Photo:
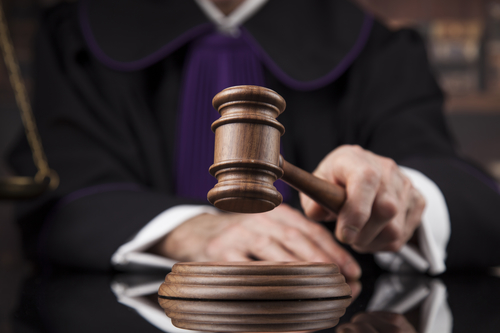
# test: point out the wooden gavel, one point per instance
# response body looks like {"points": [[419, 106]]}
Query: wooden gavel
{"points": [[247, 158]]}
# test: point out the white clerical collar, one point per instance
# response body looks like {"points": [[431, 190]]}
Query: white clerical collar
{"points": [[229, 24]]}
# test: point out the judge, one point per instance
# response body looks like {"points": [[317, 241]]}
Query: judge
{"points": [[122, 99]]}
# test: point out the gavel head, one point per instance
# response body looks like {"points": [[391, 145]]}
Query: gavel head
{"points": [[247, 149]]}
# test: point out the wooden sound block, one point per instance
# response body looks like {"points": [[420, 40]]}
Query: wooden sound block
{"points": [[257, 280], [256, 268], [255, 327], [261, 319], [172, 305]]}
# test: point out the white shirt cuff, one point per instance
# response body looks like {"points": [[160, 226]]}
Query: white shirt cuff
{"points": [[135, 297], [395, 295], [433, 233], [131, 255]]}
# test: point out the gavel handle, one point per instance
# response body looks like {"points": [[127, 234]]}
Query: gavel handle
{"points": [[328, 195]]}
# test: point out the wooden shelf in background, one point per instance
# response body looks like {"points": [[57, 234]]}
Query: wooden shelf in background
{"points": [[474, 103], [423, 10]]}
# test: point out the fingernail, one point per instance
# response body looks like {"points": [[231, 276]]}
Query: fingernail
{"points": [[352, 270], [348, 234]]}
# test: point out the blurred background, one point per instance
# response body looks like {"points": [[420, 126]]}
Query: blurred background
{"points": [[463, 38]]}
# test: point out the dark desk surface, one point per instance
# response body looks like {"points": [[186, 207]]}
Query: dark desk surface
{"points": [[73, 302]]}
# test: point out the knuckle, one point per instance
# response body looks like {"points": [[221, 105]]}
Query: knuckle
{"points": [[234, 230], [371, 175], [388, 207], [265, 222], [389, 164], [325, 237], [360, 215], [407, 184], [213, 248], [420, 201], [292, 233], [357, 149], [393, 235], [317, 230], [348, 150]]}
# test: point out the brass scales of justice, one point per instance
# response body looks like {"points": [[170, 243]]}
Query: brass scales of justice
{"points": [[17, 188]]}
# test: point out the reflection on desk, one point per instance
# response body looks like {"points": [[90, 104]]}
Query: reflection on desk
{"points": [[125, 303], [255, 316]]}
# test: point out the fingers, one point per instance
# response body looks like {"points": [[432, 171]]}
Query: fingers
{"points": [[378, 321], [268, 248], [288, 230], [356, 328], [242, 242], [323, 246], [397, 231], [386, 218], [374, 226], [282, 235], [371, 188]]}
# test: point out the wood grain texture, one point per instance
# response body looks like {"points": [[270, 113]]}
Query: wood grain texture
{"points": [[254, 327], [253, 292], [257, 318], [247, 160], [256, 268], [246, 154], [328, 195], [219, 307], [257, 280], [258, 296], [254, 280], [245, 316]]}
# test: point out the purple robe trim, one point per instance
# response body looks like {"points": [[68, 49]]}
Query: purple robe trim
{"points": [[84, 192], [486, 180], [330, 77], [200, 30], [147, 61]]}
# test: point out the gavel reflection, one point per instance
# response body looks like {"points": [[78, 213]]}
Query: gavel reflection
{"points": [[247, 158]]}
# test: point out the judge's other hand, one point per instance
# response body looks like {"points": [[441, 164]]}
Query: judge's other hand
{"points": [[283, 234], [378, 321], [382, 209]]}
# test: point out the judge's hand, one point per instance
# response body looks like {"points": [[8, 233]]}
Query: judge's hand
{"points": [[283, 234], [382, 209], [375, 322]]}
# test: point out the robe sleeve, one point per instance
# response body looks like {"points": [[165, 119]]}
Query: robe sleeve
{"points": [[114, 173], [401, 117]]}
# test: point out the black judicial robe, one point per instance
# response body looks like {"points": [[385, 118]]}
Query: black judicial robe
{"points": [[107, 87]]}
